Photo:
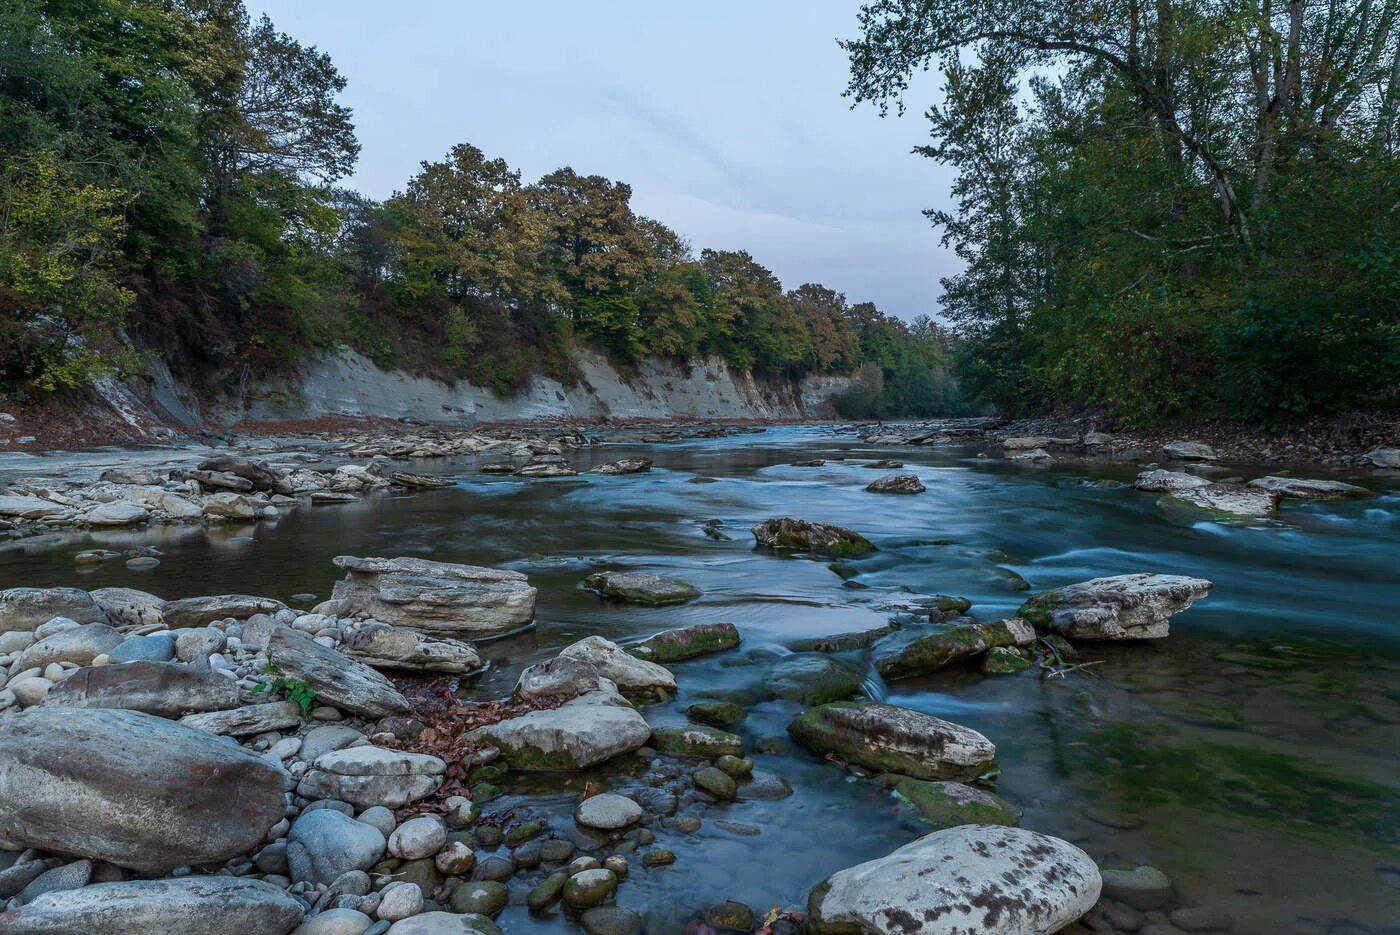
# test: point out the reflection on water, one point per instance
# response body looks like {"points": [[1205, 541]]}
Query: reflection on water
{"points": [[1254, 756]]}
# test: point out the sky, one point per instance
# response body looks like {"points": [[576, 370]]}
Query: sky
{"points": [[726, 118]]}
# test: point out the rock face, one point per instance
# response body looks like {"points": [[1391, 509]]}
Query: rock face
{"points": [[800, 535], [1159, 481], [973, 878], [1122, 607], [401, 648], [625, 466], [640, 588], [132, 789], [1189, 451], [896, 483], [687, 642], [1228, 499], [165, 689], [894, 739], [436, 597], [367, 776], [198, 905], [202, 611], [589, 729], [28, 608], [902, 657], [336, 679], [631, 675], [1302, 488]]}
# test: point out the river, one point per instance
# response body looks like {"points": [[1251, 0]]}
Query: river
{"points": [[1254, 755]]}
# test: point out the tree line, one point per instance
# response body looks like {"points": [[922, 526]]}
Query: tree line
{"points": [[170, 168], [1165, 208]]}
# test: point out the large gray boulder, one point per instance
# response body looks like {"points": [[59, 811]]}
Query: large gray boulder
{"points": [[79, 644], [799, 535], [324, 843], [249, 719], [337, 680], [589, 729], [1383, 457], [367, 776], [641, 588], [128, 607], [631, 675], [1226, 501], [132, 789], [166, 689], [25, 507], [686, 642], [441, 598], [28, 608], [897, 740], [1121, 607], [202, 611], [198, 905], [385, 647], [988, 879]]}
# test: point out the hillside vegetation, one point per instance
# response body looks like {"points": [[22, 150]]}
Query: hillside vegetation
{"points": [[170, 167]]}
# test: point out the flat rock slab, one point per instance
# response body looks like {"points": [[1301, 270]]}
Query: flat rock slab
{"points": [[133, 789], [894, 739], [641, 588], [201, 905], [590, 729], [910, 653], [165, 689], [799, 535], [441, 598], [29, 608], [248, 720], [973, 878], [1121, 607], [1228, 500], [202, 611], [337, 679], [29, 507], [1303, 488]]}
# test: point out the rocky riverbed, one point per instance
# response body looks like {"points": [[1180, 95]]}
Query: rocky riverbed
{"points": [[562, 739]]}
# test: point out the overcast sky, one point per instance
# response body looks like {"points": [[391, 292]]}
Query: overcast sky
{"points": [[725, 117]]}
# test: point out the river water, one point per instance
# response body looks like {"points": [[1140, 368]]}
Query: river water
{"points": [[1254, 756]]}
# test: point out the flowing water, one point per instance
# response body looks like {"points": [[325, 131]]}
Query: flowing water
{"points": [[1254, 756]]}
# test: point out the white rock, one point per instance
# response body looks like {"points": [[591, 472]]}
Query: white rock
{"points": [[400, 901], [1121, 607], [607, 811], [1159, 481], [418, 837]]}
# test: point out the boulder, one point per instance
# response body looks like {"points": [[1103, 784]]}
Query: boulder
{"points": [[128, 607], [28, 608], [336, 679], [907, 653], [812, 679], [686, 642], [202, 611], [229, 505], [1383, 457], [249, 719], [1122, 607], [165, 689], [79, 644], [973, 878], [385, 647], [640, 588], [896, 483], [559, 678], [196, 905], [625, 466], [116, 513], [1227, 500], [948, 804], [892, 739], [259, 475], [1159, 481], [158, 647], [1189, 451], [366, 776], [324, 843], [420, 481], [632, 676], [582, 732], [22, 507], [440, 598], [1303, 488], [789, 534], [695, 740], [132, 789], [1025, 442]]}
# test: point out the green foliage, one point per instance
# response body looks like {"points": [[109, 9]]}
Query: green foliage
{"points": [[295, 690]]}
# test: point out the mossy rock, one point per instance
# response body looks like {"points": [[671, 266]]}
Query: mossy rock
{"points": [[687, 642], [694, 740], [716, 713], [948, 804], [1001, 660], [812, 679], [888, 738]]}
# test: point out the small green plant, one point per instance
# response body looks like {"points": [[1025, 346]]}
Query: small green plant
{"points": [[291, 689]]}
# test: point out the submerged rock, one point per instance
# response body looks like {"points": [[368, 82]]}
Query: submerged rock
{"points": [[1121, 607], [973, 878], [132, 789], [693, 740], [789, 534], [896, 483], [640, 588], [687, 642], [907, 654], [812, 679], [196, 905], [590, 729], [949, 804], [893, 739], [1302, 488], [440, 598]]}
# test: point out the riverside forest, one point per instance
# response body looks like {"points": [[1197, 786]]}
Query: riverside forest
{"points": [[402, 536]]}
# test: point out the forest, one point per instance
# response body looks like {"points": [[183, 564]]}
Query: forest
{"points": [[170, 169], [1166, 209]]}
